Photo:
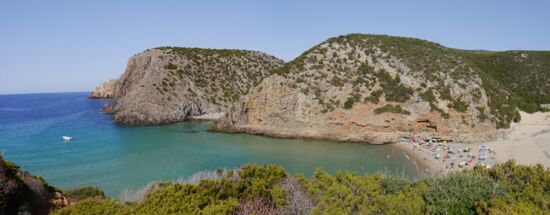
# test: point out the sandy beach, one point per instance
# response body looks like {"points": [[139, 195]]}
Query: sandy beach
{"points": [[527, 142]]}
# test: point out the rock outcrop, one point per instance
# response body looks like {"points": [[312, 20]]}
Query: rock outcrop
{"points": [[105, 90], [370, 88], [22, 193], [169, 84]]}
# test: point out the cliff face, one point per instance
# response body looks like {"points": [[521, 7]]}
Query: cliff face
{"points": [[369, 88], [105, 90], [168, 84]]}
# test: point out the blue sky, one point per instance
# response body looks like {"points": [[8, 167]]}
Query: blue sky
{"points": [[61, 46]]}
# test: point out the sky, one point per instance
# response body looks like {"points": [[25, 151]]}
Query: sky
{"points": [[69, 46]]}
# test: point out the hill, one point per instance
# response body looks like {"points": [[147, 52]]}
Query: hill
{"points": [[373, 88], [170, 84], [526, 74]]}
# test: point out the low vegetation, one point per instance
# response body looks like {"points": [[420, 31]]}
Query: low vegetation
{"points": [[252, 189], [393, 89], [83, 193], [222, 75], [22, 193], [391, 109], [372, 67], [524, 74]]}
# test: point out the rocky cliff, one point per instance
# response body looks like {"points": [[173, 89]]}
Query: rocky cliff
{"points": [[372, 88], [22, 193], [105, 90], [169, 84]]}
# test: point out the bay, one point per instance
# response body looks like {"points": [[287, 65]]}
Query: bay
{"points": [[117, 158]]}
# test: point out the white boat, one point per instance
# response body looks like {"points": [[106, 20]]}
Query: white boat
{"points": [[67, 138]]}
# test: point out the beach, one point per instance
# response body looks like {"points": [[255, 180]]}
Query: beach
{"points": [[526, 142]]}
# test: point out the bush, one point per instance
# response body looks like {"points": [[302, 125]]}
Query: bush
{"points": [[428, 95], [390, 109], [170, 66], [460, 106], [337, 82], [393, 89], [354, 97], [84, 193], [374, 97], [459, 193], [92, 207], [504, 189]]}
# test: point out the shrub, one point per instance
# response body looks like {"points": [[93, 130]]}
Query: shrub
{"points": [[389, 109], [393, 89], [337, 82], [374, 97], [459, 193], [92, 207], [79, 194], [460, 106], [428, 95], [354, 97], [348, 104], [170, 66], [504, 189]]}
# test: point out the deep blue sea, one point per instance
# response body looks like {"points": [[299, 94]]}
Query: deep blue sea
{"points": [[116, 158]]}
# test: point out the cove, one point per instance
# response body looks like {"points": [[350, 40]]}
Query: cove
{"points": [[117, 158]]}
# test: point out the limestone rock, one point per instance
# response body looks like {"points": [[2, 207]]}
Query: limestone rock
{"points": [[366, 88], [104, 90], [168, 84]]}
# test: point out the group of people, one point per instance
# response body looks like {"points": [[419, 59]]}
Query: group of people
{"points": [[452, 155]]}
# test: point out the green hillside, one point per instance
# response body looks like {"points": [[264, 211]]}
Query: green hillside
{"points": [[351, 59], [526, 74]]}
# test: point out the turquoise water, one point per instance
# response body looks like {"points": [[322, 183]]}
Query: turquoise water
{"points": [[117, 158]]}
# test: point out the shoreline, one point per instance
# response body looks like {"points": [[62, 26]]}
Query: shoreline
{"points": [[208, 116], [526, 142], [423, 166]]}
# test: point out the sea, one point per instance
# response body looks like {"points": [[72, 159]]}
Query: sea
{"points": [[121, 158]]}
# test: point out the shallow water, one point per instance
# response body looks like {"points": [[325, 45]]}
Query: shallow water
{"points": [[117, 158]]}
